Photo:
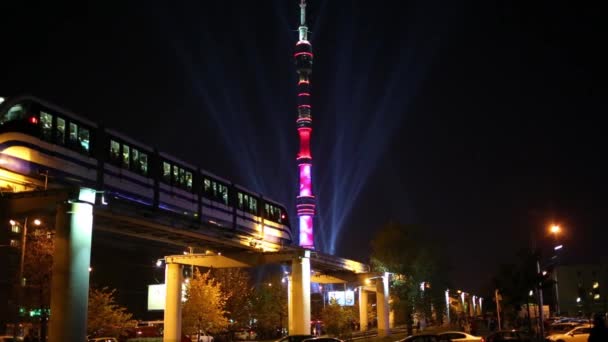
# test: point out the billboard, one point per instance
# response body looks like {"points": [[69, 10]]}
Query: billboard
{"points": [[156, 296], [343, 298]]}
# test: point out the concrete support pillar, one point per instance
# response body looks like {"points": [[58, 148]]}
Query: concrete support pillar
{"points": [[71, 262], [290, 322], [391, 318], [382, 306], [299, 319], [173, 303], [363, 320]]}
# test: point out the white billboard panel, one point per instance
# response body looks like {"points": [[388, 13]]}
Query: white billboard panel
{"points": [[156, 296], [343, 298]]}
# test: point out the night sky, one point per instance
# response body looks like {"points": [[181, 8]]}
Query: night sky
{"points": [[481, 121]]}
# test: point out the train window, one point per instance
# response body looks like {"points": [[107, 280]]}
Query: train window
{"points": [[207, 187], [84, 138], [175, 175], [73, 134], [125, 156], [240, 200], [224, 194], [135, 160], [143, 163], [189, 180], [114, 151], [46, 121], [167, 172], [182, 177], [60, 132], [253, 205]]}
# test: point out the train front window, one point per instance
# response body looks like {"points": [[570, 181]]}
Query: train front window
{"points": [[46, 121], [60, 132], [16, 112]]}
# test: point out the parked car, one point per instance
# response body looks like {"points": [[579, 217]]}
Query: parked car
{"points": [[424, 338], [202, 336], [577, 334], [294, 338], [322, 339], [560, 328], [509, 335], [103, 339], [459, 336], [245, 335]]}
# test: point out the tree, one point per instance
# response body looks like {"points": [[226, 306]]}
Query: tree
{"points": [[105, 316], [337, 319], [270, 307], [237, 290], [205, 305], [414, 258]]}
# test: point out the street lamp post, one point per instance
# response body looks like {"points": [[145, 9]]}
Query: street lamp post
{"points": [[555, 230]]}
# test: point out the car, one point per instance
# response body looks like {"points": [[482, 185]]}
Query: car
{"points": [[577, 334], [245, 335], [560, 328], [8, 338], [102, 339], [508, 335], [202, 336], [424, 338], [295, 338], [322, 339], [459, 336]]}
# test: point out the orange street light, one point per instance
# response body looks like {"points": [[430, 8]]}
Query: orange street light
{"points": [[555, 229]]}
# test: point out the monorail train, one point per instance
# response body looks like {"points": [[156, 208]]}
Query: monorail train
{"points": [[40, 141]]}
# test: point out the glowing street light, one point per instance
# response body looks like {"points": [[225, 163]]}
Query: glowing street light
{"points": [[558, 247], [555, 229]]}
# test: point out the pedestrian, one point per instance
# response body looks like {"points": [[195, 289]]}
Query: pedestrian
{"points": [[598, 332]]}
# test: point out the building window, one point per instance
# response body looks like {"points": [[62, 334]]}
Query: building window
{"points": [[15, 228], [14, 243]]}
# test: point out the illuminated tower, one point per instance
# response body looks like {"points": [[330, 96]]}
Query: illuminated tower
{"points": [[305, 200]]}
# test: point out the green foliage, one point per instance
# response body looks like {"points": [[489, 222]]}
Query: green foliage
{"points": [[514, 281], [205, 305], [415, 258], [337, 319], [237, 290], [105, 316], [270, 307]]}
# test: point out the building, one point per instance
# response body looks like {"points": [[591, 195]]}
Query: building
{"points": [[581, 289]]}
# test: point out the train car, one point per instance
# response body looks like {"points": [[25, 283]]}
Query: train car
{"points": [[43, 146]]}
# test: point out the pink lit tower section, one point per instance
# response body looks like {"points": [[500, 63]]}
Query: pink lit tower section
{"points": [[305, 200]]}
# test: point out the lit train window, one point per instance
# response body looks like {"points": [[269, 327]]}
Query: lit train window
{"points": [[175, 176], [73, 134], [125, 156], [167, 172], [207, 186], [224, 194], [143, 163], [114, 151], [60, 132], [240, 200], [84, 138], [253, 205], [135, 160], [46, 121], [188, 180]]}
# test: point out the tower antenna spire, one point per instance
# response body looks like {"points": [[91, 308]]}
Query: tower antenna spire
{"points": [[303, 28]]}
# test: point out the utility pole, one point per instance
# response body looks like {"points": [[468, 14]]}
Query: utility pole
{"points": [[20, 280], [541, 327], [497, 297]]}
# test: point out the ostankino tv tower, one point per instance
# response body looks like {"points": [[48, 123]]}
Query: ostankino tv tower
{"points": [[305, 200]]}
